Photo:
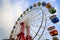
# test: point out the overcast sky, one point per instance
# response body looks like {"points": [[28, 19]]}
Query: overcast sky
{"points": [[10, 10]]}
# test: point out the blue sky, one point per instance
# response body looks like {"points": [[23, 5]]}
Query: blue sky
{"points": [[10, 10]]}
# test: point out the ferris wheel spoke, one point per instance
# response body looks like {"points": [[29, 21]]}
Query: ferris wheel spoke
{"points": [[37, 26], [36, 19], [35, 32]]}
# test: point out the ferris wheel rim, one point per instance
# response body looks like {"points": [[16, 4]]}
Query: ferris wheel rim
{"points": [[40, 25], [44, 28]]}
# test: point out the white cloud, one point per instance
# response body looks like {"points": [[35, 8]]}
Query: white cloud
{"points": [[9, 15]]}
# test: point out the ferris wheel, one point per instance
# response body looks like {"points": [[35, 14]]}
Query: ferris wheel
{"points": [[32, 23]]}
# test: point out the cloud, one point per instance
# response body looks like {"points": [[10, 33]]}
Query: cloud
{"points": [[6, 20], [52, 0], [9, 15]]}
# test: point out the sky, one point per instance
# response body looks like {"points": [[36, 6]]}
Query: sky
{"points": [[10, 10]]}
